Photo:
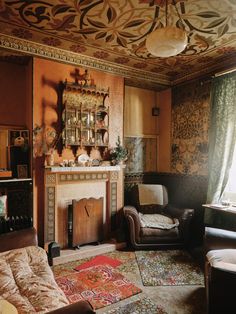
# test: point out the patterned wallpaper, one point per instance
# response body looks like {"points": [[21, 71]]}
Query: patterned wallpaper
{"points": [[190, 126], [189, 134]]}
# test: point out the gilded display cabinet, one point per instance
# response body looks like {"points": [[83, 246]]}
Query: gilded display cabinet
{"points": [[85, 115]]}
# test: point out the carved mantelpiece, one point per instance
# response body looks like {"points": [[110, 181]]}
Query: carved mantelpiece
{"points": [[62, 184]]}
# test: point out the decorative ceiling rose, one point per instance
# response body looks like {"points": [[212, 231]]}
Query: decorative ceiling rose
{"points": [[167, 41]]}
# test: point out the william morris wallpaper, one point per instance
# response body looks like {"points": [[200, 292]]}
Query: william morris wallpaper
{"points": [[190, 126]]}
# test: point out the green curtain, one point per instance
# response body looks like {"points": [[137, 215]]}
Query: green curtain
{"points": [[222, 138]]}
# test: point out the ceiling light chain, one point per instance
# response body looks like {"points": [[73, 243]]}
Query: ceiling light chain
{"points": [[179, 16], [166, 13]]}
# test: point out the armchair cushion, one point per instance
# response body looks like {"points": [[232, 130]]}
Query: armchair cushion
{"points": [[159, 235], [157, 221]]}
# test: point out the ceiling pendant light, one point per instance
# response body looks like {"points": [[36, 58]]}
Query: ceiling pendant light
{"points": [[169, 40]]}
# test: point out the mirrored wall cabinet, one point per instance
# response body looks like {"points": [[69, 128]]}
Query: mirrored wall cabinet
{"points": [[85, 115]]}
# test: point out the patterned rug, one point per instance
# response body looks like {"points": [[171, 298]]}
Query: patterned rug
{"points": [[139, 306], [99, 260], [101, 285], [168, 268]]}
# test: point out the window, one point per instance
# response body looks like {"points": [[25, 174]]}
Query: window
{"points": [[230, 189]]}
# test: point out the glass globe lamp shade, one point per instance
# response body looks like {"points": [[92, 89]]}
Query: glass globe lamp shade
{"points": [[166, 42]]}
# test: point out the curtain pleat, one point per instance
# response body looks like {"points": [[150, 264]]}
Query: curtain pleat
{"points": [[222, 139]]}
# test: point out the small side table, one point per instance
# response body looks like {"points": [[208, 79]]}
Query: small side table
{"points": [[222, 208]]}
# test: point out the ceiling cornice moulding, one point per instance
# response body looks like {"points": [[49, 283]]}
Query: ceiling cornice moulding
{"points": [[60, 55], [212, 69]]}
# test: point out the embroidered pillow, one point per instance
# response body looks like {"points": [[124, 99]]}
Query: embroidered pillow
{"points": [[158, 221], [7, 308]]}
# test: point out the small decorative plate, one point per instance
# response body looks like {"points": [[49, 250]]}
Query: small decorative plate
{"points": [[83, 158]]}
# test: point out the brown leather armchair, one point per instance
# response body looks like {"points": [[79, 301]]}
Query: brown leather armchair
{"points": [[152, 200], [220, 270]]}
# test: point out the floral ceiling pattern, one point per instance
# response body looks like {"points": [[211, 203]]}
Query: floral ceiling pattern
{"points": [[115, 31]]}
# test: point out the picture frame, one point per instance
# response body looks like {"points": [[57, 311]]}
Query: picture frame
{"points": [[13, 134], [16, 134], [22, 171], [25, 135]]}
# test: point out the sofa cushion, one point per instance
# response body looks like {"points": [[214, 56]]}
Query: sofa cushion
{"points": [[27, 281], [224, 259]]}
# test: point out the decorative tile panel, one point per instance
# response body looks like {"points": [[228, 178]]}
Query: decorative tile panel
{"points": [[91, 176], [113, 204], [114, 175], [51, 179], [50, 215]]}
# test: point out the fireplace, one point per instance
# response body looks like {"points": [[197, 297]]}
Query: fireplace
{"points": [[65, 184]]}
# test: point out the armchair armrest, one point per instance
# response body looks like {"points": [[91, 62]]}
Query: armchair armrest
{"points": [[18, 239], [185, 217], [131, 211], [216, 239], [179, 213], [131, 214]]}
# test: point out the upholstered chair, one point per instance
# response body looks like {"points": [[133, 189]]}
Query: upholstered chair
{"points": [[152, 222], [220, 270]]}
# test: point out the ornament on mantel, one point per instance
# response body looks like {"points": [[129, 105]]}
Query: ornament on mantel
{"points": [[119, 154]]}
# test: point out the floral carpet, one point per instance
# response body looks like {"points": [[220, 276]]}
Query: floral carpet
{"points": [[99, 260], [101, 285], [183, 299], [139, 306], [168, 268]]}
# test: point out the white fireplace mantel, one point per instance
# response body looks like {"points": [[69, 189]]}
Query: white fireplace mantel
{"points": [[83, 169]]}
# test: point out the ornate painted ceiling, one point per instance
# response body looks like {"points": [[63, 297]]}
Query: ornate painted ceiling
{"points": [[110, 35]]}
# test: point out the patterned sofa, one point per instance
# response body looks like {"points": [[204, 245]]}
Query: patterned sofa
{"points": [[27, 281]]}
